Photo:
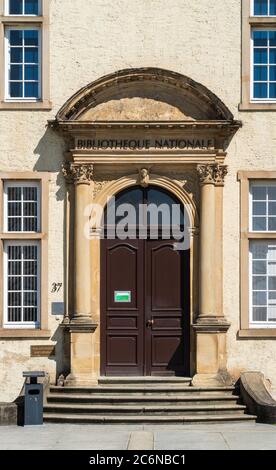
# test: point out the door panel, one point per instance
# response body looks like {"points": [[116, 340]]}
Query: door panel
{"points": [[122, 326], [167, 291]]}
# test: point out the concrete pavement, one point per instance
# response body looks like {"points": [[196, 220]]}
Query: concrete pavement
{"points": [[240, 436]]}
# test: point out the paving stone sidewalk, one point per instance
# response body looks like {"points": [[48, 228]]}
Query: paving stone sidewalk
{"points": [[240, 436]]}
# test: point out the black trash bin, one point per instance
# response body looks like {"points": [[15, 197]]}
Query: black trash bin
{"points": [[33, 403]]}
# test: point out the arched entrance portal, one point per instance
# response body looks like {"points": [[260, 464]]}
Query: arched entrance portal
{"points": [[147, 127], [145, 286]]}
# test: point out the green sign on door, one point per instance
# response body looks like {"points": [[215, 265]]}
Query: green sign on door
{"points": [[122, 297]]}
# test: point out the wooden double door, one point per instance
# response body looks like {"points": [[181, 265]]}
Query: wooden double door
{"points": [[145, 310]]}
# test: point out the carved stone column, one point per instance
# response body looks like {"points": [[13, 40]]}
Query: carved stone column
{"points": [[211, 326], [81, 326]]}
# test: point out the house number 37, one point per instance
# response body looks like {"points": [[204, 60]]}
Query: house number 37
{"points": [[56, 286]]}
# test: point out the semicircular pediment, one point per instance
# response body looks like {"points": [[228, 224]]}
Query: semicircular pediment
{"points": [[146, 94]]}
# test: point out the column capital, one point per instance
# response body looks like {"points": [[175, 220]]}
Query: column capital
{"points": [[212, 174], [78, 173]]}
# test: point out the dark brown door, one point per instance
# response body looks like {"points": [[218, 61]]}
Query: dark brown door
{"points": [[122, 307], [145, 308], [166, 309]]}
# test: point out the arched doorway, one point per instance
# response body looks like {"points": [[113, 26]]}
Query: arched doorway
{"points": [[145, 286]]}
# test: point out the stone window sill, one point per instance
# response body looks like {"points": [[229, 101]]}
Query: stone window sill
{"points": [[263, 333], [257, 106], [24, 334], [44, 105]]}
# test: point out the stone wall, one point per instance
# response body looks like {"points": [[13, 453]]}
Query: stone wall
{"points": [[91, 38]]}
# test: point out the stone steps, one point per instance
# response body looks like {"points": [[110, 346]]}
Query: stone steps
{"points": [[145, 390], [142, 400], [145, 381], [163, 400], [135, 410], [101, 419]]}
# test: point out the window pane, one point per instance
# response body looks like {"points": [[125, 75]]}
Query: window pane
{"points": [[260, 73], [259, 224], [259, 208], [259, 314], [272, 283], [31, 7], [31, 55], [272, 193], [272, 208], [271, 313], [272, 224], [259, 251], [16, 72], [272, 90], [272, 56], [260, 90], [31, 72], [15, 7], [259, 267], [16, 37], [31, 90], [16, 90], [260, 56], [272, 38], [259, 298], [271, 268], [260, 38], [259, 193], [260, 7], [272, 7], [31, 37], [16, 55], [259, 283]]}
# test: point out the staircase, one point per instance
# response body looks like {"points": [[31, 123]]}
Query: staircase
{"points": [[143, 400]]}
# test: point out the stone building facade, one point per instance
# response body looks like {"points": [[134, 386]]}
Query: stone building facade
{"points": [[105, 97]]}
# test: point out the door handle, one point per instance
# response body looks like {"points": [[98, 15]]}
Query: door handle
{"points": [[150, 323]]}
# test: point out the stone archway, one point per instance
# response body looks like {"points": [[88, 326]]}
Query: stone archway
{"points": [[178, 131]]}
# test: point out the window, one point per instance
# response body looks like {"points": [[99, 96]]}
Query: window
{"points": [[258, 55], [263, 207], [22, 284], [264, 7], [23, 7], [258, 254], [264, 65], [21, 258], [263, 284], [24, 54], [23, 63], [22, 207], [24, 255]]}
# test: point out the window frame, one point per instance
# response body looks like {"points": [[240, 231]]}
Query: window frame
{"points": [[21, 325], [21, 184], [257, 183], [32, 21], [7, 4], [255, 324], [246, 331], [41, 238], [250, 23], [252, 82], [7, 56]]}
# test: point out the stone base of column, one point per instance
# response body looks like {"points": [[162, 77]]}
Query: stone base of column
{"points": [[81, 380], [82, 341], [211, 353]]}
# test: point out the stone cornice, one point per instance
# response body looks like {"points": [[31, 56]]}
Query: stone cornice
{"points": [[75, 126]]}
